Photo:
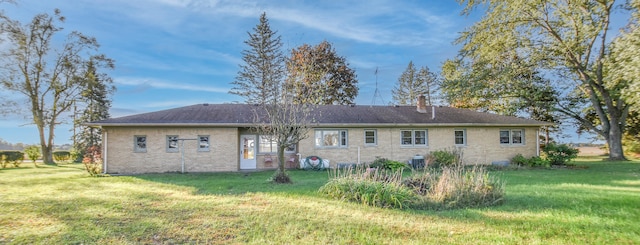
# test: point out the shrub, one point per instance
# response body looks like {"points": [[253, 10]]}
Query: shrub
{"points": [[453, 187], [458, 187], [93, 160], [559, 154], [383, 163], [62, 156], [33, 152], [534, 161], [369, 187], [11, 157], [446, 157], [420, 182]]}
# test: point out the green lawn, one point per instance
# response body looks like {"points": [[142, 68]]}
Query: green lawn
{"points": [[63, 205]]}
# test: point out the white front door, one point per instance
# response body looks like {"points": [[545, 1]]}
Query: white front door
{"points": [[247, 152]]}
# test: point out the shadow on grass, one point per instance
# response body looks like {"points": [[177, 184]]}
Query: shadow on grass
{"points": [[304, 182]]}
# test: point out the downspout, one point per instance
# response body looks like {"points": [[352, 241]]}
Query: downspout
{"points": [[358, 155], [538, 142], [104, 156]]}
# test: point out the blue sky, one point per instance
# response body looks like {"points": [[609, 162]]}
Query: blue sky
{"points": [[172, 53]]}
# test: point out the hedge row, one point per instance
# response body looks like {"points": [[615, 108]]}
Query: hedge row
{"points": [[13, 157]]}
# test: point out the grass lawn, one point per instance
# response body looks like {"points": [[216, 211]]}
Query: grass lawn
{"points": [[599, 204]]}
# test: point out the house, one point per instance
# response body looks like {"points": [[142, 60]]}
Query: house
{"points": [[218, 137]]}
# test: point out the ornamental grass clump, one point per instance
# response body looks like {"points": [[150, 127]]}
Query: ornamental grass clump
{"points": [[370, 187], [434, 189], [460, 187]]}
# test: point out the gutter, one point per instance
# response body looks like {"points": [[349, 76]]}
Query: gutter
{"points": [[315, 125]]}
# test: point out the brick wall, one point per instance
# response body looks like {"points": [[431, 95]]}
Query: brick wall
{"points": [[121, 158], [483, 145]]}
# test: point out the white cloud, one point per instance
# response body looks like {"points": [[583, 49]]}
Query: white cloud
{"points": [[174, 85]]}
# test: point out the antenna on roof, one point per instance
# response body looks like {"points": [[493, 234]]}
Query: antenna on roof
{"points": [[376, 94]]}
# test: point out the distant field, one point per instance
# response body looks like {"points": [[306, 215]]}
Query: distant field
{"points": [[591, 151], [594, 203]]}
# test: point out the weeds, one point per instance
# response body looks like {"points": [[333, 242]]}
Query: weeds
{"points": [[452, 187]]}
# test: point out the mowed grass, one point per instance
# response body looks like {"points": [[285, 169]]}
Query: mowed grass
{"points": [[599, 204]]}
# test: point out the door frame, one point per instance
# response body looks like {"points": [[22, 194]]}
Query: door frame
{"points": [[248, 163]]}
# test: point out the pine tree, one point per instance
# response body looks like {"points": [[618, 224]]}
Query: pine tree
{"points": [[96, 102], [430, 82], [259, 79]]}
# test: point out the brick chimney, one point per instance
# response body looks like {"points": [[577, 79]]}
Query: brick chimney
{"points": [[422, 104]]}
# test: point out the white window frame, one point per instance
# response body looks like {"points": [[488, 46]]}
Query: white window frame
{"points": [[511, 135], [374, 137], [273, 145], [170, 146], [464, 137], [342, 138], [137, 145], [413, 138], [267, 141], [204, 146]]}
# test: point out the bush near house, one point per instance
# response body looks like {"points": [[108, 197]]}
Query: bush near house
{"points": [[559, 154], [384, 163], [534, 161], [445, 157]]}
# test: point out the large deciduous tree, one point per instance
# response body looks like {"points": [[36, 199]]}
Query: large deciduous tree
{"points": [[412, 83], [47, 74], [565, 40], [264, 65], [319, 76]]}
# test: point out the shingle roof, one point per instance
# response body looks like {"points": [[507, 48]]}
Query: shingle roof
{"points": [[328, 115]]}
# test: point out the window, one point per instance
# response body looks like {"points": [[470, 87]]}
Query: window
{"points": [[331, 138], [203, 142], [140, 143], [270, 145], [512, 137], [413, 137], [267, 144], [172, 143], [460, 137], [370, 138]]}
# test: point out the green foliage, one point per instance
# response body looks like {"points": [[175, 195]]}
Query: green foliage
{"points": [[559, 154], [387, 164], [317, 75], [47, 69], [534, 161], [96, 102], [76, 155], [33, 152], [517, 43], [11, 157], [369, 187], [453, 187], [61, 156], [413, 83], [459, 187], [445, 157], [263, 71]]}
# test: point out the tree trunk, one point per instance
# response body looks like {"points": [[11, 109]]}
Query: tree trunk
{"points": [[47, 154], [281, 161], [614, 140]]}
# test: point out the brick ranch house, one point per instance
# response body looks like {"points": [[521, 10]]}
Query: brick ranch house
{"points": [[218, 137]]}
